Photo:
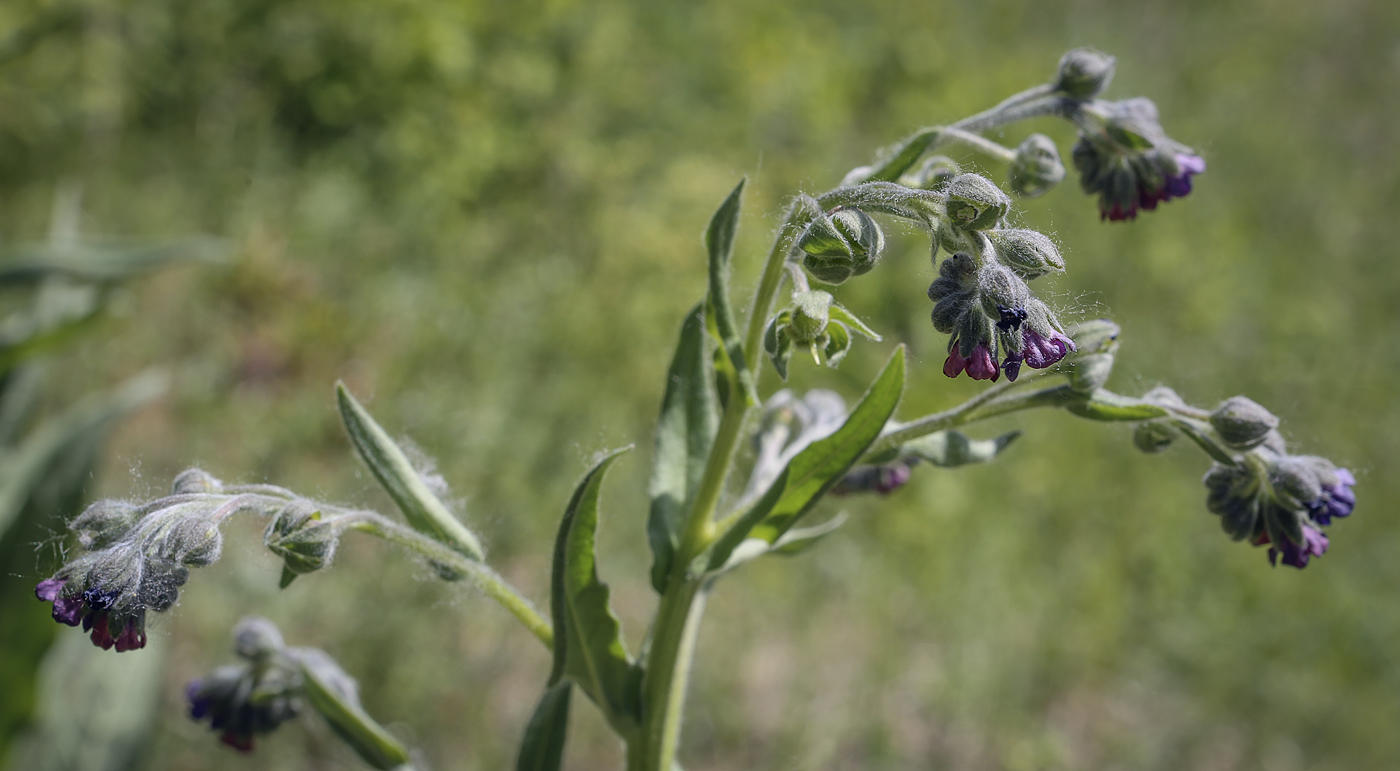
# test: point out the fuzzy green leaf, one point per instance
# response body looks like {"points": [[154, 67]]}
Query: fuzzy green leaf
{"points": [[684, 435], [331, 693], [950, 448], [719, 242], [814, 470], [588, 645], [1108, 406], [424, 511], [902, 156], [543, 746]]}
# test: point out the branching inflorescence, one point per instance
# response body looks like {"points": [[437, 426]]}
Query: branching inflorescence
{"points": [[136, 556]]}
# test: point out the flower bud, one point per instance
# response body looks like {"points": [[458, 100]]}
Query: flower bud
{"points": [[256, 638], [1094, 335], [1084, 72], [194, 541], [840, 245], [975, 202], [304, 541], [1027, 252], [1153, 436], [1295, 476], [999, 288], [1242, 422], [104, 523], [191, 481], [1089, 373], [1036, 167], [934, 174], [811, 312]]}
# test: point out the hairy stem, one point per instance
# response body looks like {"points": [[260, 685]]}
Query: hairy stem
{"points": [[491, 582]]}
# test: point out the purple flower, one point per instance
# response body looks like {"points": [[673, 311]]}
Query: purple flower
{"points": [[1337, 500], [1125, 158], [94, 609], [1314, 545], [981, 365], [1041, 352], [883, 479]]}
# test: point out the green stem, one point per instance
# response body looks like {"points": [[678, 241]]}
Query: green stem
{"points": [[491, 582], [667, 677]]}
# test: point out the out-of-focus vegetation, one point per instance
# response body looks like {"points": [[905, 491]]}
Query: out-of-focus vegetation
{"points": [[485, 217]]}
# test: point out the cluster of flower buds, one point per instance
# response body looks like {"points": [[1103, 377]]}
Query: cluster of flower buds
{"points": [[815, 321], [1123, 155], [241, 701], [981, 298], [1263, 495], [137, 556]]}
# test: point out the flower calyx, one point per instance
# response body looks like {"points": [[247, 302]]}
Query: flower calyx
{"points": [[1083, 73], [975, 202], [1036, 167], [814, 320]]}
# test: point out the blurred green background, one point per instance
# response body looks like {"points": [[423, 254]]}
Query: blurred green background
{"points": [[485, 218]]}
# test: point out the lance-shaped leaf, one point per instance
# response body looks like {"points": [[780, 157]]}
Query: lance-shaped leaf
{"points": [[1106, 405], [424, 511], [543, 746], [102, 261], [719, 241], [333, 694], [814, 470], [588, 646], [684, 435], [950, 448], [900, 158], [800, 539]]}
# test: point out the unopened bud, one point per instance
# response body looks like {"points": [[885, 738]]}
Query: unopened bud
{"points": [[1089, 373], [195, 480], [1084, 72], [811, 312], [194, 541], [1296, 477], [998, 288], [975, 202], [1094, 336], [304, 541], [1153, 436], [256, 638], [104, 523], [846, 243], [1037, 166], [1027, 252], [1242, 422]]}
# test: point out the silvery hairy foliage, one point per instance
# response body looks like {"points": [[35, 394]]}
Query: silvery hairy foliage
{"points": [[134, 557]]}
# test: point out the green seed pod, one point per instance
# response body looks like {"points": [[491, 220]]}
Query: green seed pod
{"points": [[1242, 422], [975, 202], [1084, 72], [1036, 167], [1027, 252]]}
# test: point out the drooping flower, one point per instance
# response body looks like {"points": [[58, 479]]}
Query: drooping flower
{"points": [[1282, 502], [1336, 500], [1297, 555], [1125, 158]]}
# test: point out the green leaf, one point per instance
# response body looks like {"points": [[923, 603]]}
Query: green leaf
{"points": [[838, 313], [424, 511], [950, 448], [800, 539], [543, 746], [332, 693], [102, 261], [719, 241], [1108, 406], [684, 435], [59, 314], [902, 156], [814, 470], [588, 645]]}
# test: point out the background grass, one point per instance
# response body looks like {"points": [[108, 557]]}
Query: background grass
{"points": [[485, 217]]}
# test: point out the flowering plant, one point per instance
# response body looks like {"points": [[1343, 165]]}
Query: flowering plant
{"points": [[134, 557]]}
